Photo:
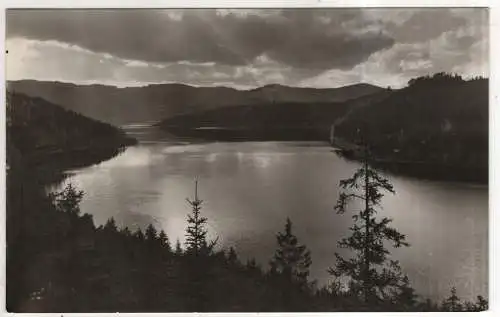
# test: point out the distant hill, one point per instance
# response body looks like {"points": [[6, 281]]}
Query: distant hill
{"points": [[438, 124], [40, 132], [152, 103], [268, 121], [441, 119]]}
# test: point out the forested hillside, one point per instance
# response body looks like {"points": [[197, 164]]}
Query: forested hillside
{"points": [[440, 119], [272, 121], [152, 103], [43, 134]]}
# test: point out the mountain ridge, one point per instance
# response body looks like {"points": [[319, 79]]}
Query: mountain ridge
{"points": [[435, 126], [271, 121], [155, 102], [361, 84]]}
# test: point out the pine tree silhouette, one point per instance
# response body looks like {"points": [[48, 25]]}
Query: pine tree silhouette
{"points": [[291, 259], [290, 269], [139, 235], [178, 248], [163, 240], [196, 233], [405, 297], [68, 200], [151, 233], [126, 232], [199, 251], [481, 304], [370, 274], [453, 302], [110, 225]]}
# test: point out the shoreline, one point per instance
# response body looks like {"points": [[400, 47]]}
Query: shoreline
{"points": [[345, 149], [418, 169], [51, 164]]}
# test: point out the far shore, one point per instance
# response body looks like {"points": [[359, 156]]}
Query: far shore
{"points": [[417, 169]]}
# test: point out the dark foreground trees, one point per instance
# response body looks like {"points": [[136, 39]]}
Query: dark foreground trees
{"points": [[370, 280], [196, 233], [197, 259], [59, 261], [290, 269], [453, 303], [291, 259], [370, 275]]}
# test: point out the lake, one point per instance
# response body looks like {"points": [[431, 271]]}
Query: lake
{"points": [[250, 188]]}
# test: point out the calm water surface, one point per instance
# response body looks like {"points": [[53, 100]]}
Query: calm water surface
{"points": [[250, 188]]}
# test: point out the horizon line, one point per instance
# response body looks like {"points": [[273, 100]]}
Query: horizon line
{"points": [[150, 84]]}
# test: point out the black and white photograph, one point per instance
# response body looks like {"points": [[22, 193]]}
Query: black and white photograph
{"points": [[247, 159]]}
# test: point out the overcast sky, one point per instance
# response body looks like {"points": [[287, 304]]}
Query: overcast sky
{"points": [[246, 48]]}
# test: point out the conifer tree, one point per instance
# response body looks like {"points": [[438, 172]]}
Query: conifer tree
{"points": [[110, 225], [196, 233], [200, 269], [291, 259], [126, 232], [370, 274], [405, 297], [139, 235], [481, 304], [452, 303], [163, 240], [178, 248], [151, 233], [68, 200], [469, 306]]}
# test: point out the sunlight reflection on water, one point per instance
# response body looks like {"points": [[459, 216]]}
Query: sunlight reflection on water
{"points": [[250, 188]]}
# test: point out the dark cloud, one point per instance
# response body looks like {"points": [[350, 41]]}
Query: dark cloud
{"points": [[460, 42], [148, 35], [246, 48], [299, 38], [53, 61], [426, 24]]}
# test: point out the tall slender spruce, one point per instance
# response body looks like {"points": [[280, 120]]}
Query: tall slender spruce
{"points": [[199, 266], [369, 274], [196, 233]]}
